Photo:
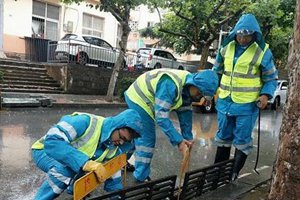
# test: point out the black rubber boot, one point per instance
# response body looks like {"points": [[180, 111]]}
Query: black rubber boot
{"points": [[239, 161], [223, 153]]}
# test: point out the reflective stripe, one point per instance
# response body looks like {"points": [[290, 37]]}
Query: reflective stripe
{"points": [[144, 149], [223, 51], [185, 108], [240, 89], [70, 129], [56, 131], [269, 79], [142, 159], [254, 60], [243, 146], [149, 77], [142, 95], [117, 174], [54, 187], [223, 143], [161, 114], [59, 176], [163, 104], [269, 72], [216, 64], [240, 75], [81, 141]]}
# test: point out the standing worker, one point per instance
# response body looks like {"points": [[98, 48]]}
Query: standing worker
{"points": [[248, 80], [154, 95], [80, 142]]}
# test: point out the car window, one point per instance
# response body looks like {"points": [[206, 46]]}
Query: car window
{"points": [[69, 36], [102, 43], [284, 85], [170, 56], [144, 51], [89, 40]]}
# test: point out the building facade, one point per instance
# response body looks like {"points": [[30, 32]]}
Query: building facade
{"points": [[51, 20]]}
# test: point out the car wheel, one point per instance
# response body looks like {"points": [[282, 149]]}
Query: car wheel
{"points": [[82, 58], [157, 66], [208, 108], [275, 104]]}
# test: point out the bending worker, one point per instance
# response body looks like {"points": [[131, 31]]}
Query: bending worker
{"points": [[80, 142], [154, 95], [248, 76]]}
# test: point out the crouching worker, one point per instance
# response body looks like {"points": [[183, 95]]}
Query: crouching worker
{"points": [[80, 142]]}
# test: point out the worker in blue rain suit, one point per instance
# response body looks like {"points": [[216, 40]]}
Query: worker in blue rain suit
{"points": [[154, 95], [248, 80], [80, 142]]}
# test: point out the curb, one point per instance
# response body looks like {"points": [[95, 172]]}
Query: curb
{"points": [[238, 188]]}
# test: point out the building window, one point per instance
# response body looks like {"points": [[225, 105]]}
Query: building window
{"points": [[134, 26], [150, 24], [45, 19], [92, 25], [119, 35]]}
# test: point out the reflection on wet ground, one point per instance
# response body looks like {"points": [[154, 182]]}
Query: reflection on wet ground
{"points": [[21, 127]]}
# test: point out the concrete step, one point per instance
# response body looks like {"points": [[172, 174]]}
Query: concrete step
{"points": [[25, 78], [20, 71], [21, 86], [27, 90], [17, 75], [20, 67], [26, 82], [21, 63]]}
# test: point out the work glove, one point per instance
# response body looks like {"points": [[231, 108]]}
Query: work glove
{"points": [[97, 168]]}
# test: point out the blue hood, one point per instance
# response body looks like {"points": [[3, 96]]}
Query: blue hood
{"points": [[128, 118], [246, 21], [206, 81]]}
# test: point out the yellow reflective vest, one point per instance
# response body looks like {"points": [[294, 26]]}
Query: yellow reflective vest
{"points": [[88, 142], [242, 81], [142, 91]]}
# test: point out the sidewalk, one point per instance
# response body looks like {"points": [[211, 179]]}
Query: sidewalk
{"points": [[14, 100], [238, 190]]}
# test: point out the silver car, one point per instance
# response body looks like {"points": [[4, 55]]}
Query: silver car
{"points": [[86, 49]]}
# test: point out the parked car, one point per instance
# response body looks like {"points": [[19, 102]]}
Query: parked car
{"points": [[153, 58], [86, 49], [279, 96]]}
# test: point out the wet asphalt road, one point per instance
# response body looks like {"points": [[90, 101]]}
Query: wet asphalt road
{"points": [[20, 128]]}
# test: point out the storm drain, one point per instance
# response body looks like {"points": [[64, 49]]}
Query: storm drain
{"points": [[196, 183], [200, 181], [155, 190]]}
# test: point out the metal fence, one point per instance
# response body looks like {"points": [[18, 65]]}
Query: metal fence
{"points": [[88, 54], [196, 183]]}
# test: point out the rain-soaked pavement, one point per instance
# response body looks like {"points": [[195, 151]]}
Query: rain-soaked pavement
{"points": [[20, 128]]}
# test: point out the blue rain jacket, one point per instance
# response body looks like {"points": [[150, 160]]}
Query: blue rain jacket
{"points": [[268, 69], [62, 151], [206, 81]]}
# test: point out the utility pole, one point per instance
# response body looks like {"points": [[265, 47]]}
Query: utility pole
{"points": [[220, 37], [2, 55]]}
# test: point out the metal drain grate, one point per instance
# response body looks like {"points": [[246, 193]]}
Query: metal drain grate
{"points": [[153, 190], [206, 179]]}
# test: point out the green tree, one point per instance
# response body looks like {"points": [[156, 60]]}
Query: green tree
{"points": [[120, 9], [276, 21], [191, 26]]}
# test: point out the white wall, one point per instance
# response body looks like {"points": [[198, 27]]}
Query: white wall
{"points": [[74, 13], [17, 17]]}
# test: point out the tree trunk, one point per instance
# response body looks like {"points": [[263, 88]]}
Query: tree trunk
{"points": [[119, 63], [286, 173], [204, 56]]}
